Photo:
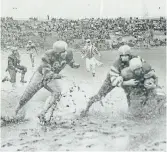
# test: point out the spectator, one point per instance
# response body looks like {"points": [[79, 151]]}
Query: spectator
{"points": [[19, 32]]}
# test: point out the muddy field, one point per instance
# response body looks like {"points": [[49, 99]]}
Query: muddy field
{"points": [[106, 128]]}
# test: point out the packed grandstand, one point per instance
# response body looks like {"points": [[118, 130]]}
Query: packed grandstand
{"points": [[107, 34]]}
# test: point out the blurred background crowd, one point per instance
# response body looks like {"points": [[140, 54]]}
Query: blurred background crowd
{"points": [[105, 33]]}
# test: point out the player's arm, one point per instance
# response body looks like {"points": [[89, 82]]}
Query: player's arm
{"points": [[96, 51], [149, 72], [11, 66], [149, 75], [47, 69], [10, 63], [115, 75], [70, 60], [128, 77]]}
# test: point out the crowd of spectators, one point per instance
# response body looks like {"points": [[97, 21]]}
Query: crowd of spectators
{"points": [[18, 32]]}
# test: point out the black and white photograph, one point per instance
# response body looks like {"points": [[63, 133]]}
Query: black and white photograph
{"points": [[83, 75]]}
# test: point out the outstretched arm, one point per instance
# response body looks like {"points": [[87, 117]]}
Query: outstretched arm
{"points": [[46, 69], [96, 51], [70, 60], [113, 79], [115, 74], [149, 72], [151, 80]]}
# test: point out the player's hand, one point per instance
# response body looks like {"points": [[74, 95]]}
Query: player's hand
{"points": [[149, 83], [150, 74], [17, 70], [58, 76], [132, 82], [53, 76], [76, 65]]}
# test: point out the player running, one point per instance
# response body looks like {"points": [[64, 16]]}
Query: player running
{"points": [[147, 95], [47, 76], [114, 78]]}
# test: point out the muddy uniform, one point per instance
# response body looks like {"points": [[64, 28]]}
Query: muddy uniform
{"points": [[51, 64], [13, 66], [140, 99], [127, 74], [113, 79]]}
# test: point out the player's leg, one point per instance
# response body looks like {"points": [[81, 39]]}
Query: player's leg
{"points": [[23, 70], [104, 90], [54, 87], [98, 63], [93, 67], [12, 79], [88, 65], [7, 76], [33, 87]]}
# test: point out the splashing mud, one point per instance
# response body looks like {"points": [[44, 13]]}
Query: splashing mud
{"points": [[107, 127]]}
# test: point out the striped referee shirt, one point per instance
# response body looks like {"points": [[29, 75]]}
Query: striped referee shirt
{"points": [[89, 51]]}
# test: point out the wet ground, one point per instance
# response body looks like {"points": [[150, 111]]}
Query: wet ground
{"points": [[105, 128]]}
